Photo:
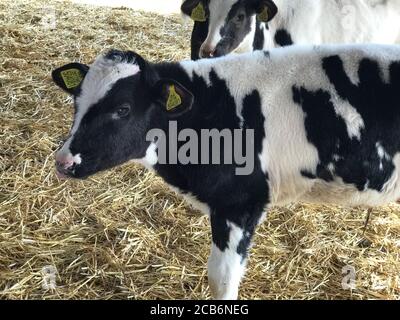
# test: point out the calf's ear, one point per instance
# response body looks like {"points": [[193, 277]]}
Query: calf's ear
{"points": [[265, 9], [194, 9], [69, 77], [173, 98]]}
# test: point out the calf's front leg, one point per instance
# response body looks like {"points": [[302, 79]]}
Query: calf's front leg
{"points": [[227, 261]]}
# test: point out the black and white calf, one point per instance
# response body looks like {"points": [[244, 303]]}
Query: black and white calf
{"points": [[224, 26], [326, 123]]}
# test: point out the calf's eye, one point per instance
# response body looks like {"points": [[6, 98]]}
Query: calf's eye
{"points": [[240, 17], [123, 110]]}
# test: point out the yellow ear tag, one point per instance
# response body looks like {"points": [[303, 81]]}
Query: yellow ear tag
{"points": [[71, 77], [198, 13], [174, 99], [263, 15]]}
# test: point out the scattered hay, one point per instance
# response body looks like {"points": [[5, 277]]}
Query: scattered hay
{"points": [[123, 233]]}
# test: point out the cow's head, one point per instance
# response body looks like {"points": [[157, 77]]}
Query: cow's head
{"points": [[229, 22], [117, 100]]}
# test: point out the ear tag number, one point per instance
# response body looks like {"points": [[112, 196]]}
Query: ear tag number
{"points": [[198, 13], [174, 98], [263, 15], [71, 77]]}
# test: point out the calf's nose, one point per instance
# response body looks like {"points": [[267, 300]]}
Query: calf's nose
{"points": [[207, 52], [65, 163]]}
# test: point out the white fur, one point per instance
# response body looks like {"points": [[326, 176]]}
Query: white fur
{"points": [[286, 150], [337, 21], [247, 43], [196, 204], [274, 78], [150, 159], [219, 10], [317, 22], [77, 158], [226, 268], [353, 120]]}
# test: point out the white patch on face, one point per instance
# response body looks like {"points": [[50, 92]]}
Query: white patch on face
{"points": [[102, 75], [219, 10], [247, 43], [226, 268], [151, 158], [77, 158]]}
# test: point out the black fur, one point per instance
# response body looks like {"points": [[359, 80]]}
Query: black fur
{"points": [[199, 35], [89, 138], [239, 199], [234, 29], [355, 161], [105, 139], [283, 38], [258, 42], [231, 198]]}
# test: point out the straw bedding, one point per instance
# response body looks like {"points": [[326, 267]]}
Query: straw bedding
{"points": [[123, 234]]}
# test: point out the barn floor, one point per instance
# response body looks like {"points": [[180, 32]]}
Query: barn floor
{"points": [[123, 234]]}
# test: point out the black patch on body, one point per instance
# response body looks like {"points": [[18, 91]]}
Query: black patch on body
{"points": [[234, 198], [283, 38], [254, 118], [356, 162]]}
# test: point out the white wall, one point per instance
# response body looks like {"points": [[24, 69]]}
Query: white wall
{"points": [[158, 6]]}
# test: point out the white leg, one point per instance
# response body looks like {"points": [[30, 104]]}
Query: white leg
{"points": [[226, 267]]}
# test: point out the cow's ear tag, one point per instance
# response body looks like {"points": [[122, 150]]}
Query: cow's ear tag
{"points": [[198, 13], [263, 15], [72, 78], [174, 99]]}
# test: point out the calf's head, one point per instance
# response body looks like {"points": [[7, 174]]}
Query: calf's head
{"points": [[117, 100], [229, 22]]}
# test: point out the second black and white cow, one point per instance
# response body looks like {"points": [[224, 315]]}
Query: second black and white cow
{"points": [[224, 26], [324, 124]]}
